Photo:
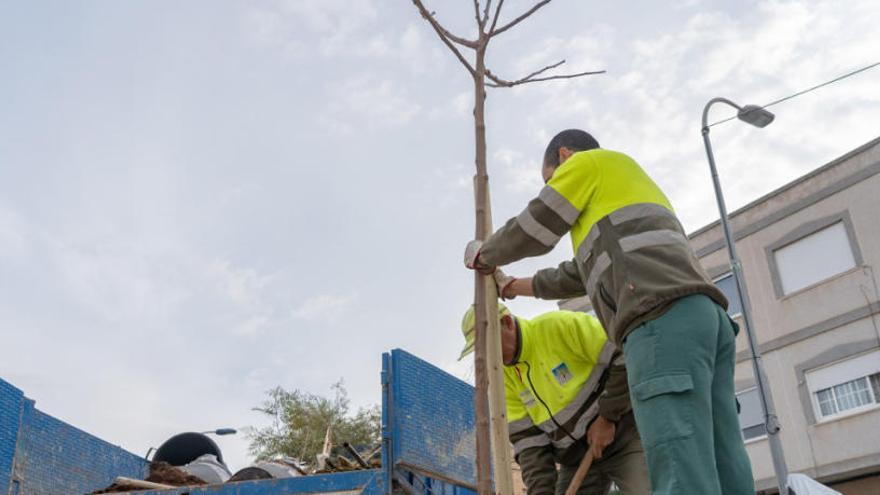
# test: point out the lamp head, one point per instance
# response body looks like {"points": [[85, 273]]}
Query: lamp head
{"points": [[755, 115], [225, 431]]}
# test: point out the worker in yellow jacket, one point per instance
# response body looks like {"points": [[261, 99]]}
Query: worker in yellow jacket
{"points": [[632, 257], [565, 388]]}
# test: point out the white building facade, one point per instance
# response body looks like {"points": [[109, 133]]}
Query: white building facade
{"points": [[810, 253]]}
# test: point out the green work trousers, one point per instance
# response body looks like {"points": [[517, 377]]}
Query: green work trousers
{"points": [[622, 462], [680, 373]]}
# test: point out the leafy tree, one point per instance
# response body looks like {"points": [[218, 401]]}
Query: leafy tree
{"points": [[300, 421]]}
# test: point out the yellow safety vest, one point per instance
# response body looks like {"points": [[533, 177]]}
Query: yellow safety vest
{"points": [[631, 254], [559, 369]]}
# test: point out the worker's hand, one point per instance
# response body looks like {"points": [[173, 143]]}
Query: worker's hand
{"points": [[503, 282], [600, 435], [472, 258]]}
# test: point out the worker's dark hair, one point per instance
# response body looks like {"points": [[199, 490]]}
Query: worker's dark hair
{"points": [[573, 139]]}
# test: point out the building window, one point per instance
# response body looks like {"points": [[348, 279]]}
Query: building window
{"points": [[751, 414], [814, 258], [846, 386], [727, 285]]}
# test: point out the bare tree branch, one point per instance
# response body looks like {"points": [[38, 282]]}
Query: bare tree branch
{"points": [[477, 15], [444, 36], [519, 19], [495, 17], [429, 16], [543, 70], [497, 82], [486, 12]]}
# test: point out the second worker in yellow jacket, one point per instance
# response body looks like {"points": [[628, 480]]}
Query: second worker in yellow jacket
{"points": [[565, 389]]}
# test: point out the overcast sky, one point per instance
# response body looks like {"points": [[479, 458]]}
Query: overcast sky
{"points": [[202, 200]]}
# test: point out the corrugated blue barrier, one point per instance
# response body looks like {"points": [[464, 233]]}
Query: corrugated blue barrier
{"points": [[430, 420], [42, 455]]}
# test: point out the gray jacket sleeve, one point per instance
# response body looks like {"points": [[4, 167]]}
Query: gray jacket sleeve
{"points": [[614, 401], [538, 470], [562, 282]]}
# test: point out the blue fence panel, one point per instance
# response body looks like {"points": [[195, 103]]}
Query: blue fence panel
{"points": [[40, 454], [425, 485], [432, 421], [11, 400]]}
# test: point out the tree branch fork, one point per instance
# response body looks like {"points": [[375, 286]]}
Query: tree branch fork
{"points": [[482, 14]]}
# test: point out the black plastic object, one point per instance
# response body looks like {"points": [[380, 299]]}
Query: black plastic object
{"points": [[251, 473], [184, 448]]}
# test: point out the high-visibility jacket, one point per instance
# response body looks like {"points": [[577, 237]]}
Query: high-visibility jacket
{"points": [[631, 254], [554, 388]]}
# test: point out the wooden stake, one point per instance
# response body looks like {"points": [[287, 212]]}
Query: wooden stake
{"points": [[501, 453]]}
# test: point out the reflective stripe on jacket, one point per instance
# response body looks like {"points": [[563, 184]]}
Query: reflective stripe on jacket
{"points": [[632, 256], [561, 366]]}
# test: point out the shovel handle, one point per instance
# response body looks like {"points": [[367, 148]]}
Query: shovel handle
{"points": [[580, 474]]}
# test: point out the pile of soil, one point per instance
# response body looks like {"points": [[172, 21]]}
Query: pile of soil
{"points": [[160, 472]]}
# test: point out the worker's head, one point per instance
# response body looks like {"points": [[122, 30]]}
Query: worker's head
{"points": [[562, 146], [508, 333]]}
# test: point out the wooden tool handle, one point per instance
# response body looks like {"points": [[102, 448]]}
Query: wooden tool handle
{"points": [[580, 474], [122, 480]]}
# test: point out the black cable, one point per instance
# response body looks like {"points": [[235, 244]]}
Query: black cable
{"points": [[799, 93], [538, 396]]}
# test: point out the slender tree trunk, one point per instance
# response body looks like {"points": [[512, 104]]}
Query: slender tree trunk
{"points": [[481, 378]]}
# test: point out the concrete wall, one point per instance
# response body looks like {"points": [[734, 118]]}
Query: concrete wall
{"points": [[40, 454], [829, 318]]}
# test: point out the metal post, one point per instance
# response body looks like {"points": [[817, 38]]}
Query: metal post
{"points": [[771, 422]]}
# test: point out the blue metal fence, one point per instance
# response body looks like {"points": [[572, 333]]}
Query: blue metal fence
{"points": [[429, 420]]}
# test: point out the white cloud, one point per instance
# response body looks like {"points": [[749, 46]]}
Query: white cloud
{"points": [[463, 103], [323, 306], [518, 173], [241, 286], [14, 235], [368, 101], [329, 27]]}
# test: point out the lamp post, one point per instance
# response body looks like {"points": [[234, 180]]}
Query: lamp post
{"points": [[220, 431], [758, 117]]}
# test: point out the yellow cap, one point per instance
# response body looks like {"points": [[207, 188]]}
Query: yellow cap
{"points": [[467, 328]]}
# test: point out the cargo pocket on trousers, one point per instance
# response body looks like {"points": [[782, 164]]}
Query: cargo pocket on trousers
{"points": [[663, 412]]}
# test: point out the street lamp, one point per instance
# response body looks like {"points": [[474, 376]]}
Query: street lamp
{"points": [[758, 117], [220, 432]]}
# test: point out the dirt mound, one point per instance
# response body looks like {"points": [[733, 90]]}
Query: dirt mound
{"points": [[160, 472]]}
